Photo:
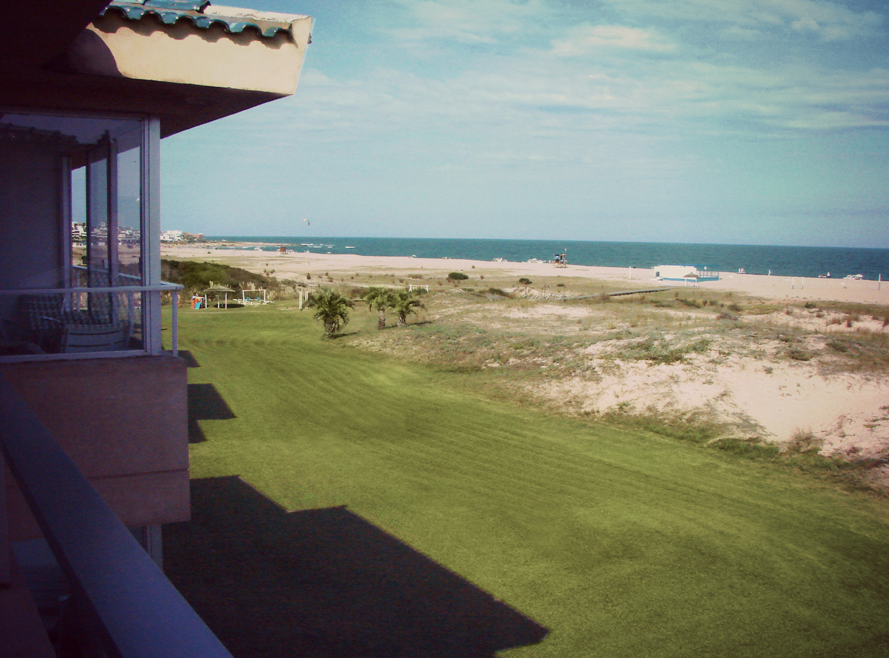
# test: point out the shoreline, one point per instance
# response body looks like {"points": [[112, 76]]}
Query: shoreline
{"points": [[295, 265]]}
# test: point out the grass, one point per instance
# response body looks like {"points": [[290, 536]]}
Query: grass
{"points": [[621, 542]]}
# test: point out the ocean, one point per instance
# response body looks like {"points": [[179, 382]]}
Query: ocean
{"points": [[780, 261]]}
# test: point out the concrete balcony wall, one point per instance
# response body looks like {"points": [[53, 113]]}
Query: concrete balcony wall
{"points": [[123, 421]]}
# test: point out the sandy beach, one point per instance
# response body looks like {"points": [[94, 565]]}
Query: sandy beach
{"points": [[295, 265]]}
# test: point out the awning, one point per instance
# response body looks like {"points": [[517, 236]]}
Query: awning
{"points": [[184, 61]]}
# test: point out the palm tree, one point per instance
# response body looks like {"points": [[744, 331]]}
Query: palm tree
{"points": [[404, 305], [331, 307], [380, 299]]}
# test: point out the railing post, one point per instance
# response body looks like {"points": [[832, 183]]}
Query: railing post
{"points": [[4, 528], [175, 329]]}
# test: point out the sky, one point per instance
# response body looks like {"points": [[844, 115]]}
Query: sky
{"points": [[697, 121]]}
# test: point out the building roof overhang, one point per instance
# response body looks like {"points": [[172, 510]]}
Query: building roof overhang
{"points": [[184, 61]]}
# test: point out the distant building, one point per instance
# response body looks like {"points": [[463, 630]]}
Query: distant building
{"points": [[171, 236]]}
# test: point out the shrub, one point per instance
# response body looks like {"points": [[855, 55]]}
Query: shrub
{"points": [[457, 276], [196, 276], [527, 282], [802, 440]]}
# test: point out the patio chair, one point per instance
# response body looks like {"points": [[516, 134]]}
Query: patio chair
{"points": [[96, 337], [38, 318]]}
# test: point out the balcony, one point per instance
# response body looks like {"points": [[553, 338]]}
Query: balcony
{"points": [[122, 604], [85, 321]]}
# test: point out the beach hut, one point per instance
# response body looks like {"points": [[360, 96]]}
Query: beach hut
{"points": [[684, 273]]}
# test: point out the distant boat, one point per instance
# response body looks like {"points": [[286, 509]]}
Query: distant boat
{"points": [[498, 260], [350, 247]]}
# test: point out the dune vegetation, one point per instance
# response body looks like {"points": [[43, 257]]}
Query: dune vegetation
{"points": [[621, 541]]}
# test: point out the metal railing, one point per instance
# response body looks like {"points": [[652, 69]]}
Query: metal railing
{"points": [[44, 323], [130, 607]]}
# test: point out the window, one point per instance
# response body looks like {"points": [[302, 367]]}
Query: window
{"points": [[79, 245]]}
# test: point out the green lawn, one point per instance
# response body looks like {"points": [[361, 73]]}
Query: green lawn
{"points": [[621, 543]]}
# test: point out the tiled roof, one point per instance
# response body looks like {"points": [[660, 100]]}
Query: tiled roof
{"points": [[201, 15]]}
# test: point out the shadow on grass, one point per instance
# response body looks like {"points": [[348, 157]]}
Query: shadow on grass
{"points": [[343, 335], [325, 583], [204, 403], [189, 358]]}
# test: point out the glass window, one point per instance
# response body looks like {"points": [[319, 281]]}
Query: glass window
{"points": [[71, 208]]}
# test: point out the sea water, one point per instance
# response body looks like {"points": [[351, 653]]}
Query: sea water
{"points": [[779, 261]]}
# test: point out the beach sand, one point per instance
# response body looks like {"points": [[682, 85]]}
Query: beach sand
{"points": [[755, 392], [295, 265]]}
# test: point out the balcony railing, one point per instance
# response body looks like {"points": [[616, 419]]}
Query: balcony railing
{"points": [[127, 604], [84, 321]]}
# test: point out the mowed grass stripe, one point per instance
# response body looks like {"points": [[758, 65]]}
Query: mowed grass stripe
{"points": [[622, 543]]}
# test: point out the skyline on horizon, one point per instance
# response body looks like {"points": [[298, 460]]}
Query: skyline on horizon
{"points": [[700, 122], [234, 237]]}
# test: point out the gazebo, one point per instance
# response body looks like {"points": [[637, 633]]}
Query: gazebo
{"points": [[216, 291]]}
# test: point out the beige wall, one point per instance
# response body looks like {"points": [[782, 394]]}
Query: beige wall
{"points": [[181, 53], [123, 422]]}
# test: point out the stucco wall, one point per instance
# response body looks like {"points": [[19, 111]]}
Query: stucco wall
{"points": [[123, 422], [150, 50]]}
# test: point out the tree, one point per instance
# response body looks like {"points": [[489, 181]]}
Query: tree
{"points": [[332, 308], [380, 299], [404, 304]]}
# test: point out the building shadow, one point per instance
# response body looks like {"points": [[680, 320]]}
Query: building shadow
{"points": [[325, 583], [205, 403], [189, 358]]}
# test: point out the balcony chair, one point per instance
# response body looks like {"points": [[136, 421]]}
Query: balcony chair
{"points": [[96, 337]]}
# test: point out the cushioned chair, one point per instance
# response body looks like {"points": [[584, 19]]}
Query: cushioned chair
{"points": [[39, 318], [96, 337]]}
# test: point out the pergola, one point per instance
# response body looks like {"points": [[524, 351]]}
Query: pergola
{"points": [[216, 291]]}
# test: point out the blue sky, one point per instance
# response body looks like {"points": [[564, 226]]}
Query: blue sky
{"points": [[719, 121]]}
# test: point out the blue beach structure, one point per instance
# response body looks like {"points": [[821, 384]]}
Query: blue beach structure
{"points": [[685, 273]]}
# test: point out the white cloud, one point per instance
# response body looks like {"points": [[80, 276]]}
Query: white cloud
{"points": [[831, 21], [624, 85], [583, 39], [470, 21]]}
